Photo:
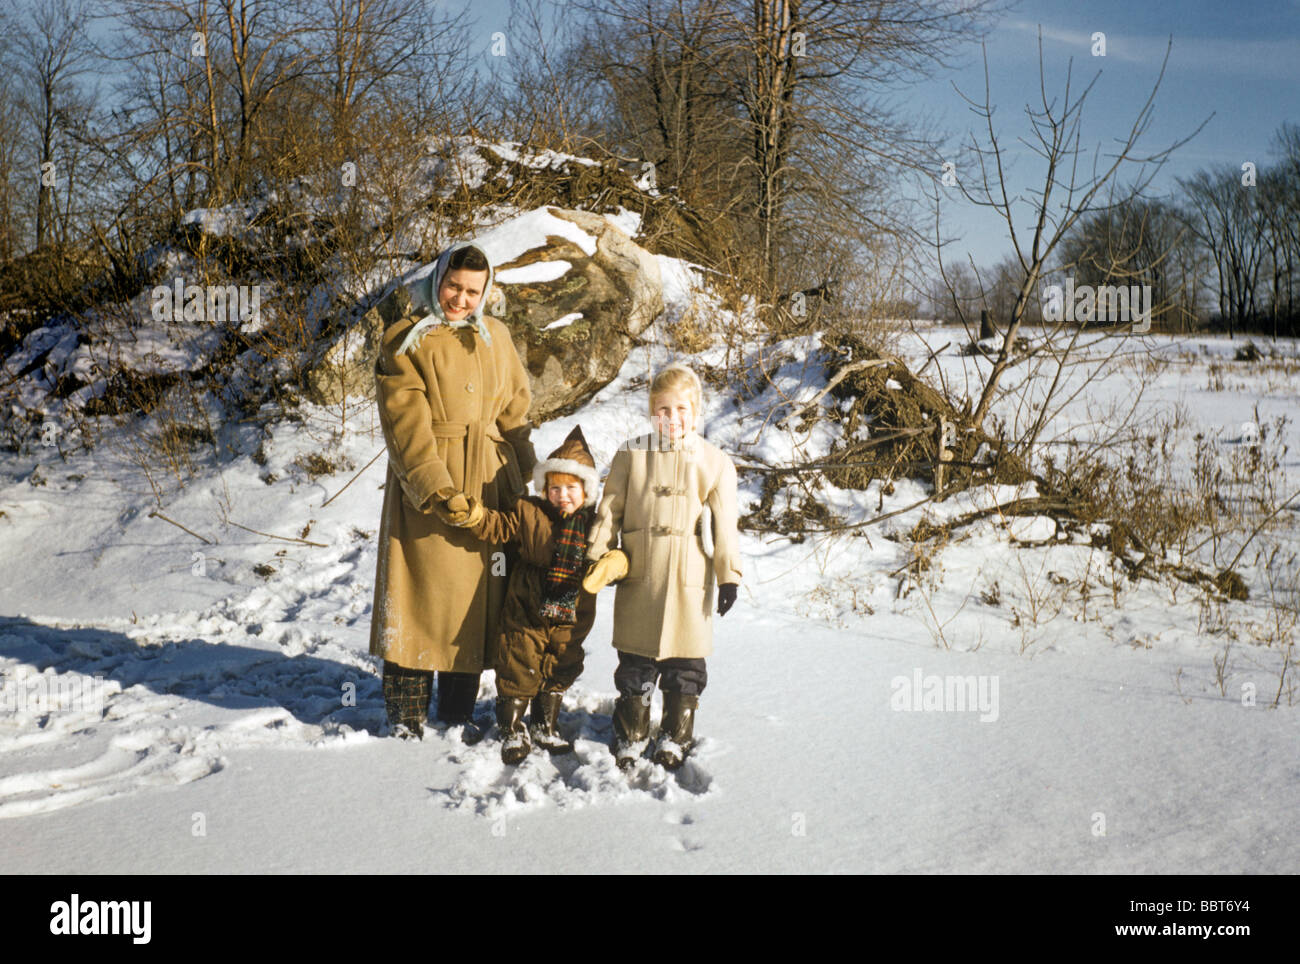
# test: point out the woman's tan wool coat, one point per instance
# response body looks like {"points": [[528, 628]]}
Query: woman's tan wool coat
{"points": [[653, 498], [453, 412]]}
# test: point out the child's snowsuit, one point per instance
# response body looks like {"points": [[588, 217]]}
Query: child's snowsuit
{"points": [[535, 653]]}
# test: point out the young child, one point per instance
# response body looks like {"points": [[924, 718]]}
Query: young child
{"points": [[660, 494], [547, 614]]}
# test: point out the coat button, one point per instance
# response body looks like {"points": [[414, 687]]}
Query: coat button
{"points": [[469, 387]]}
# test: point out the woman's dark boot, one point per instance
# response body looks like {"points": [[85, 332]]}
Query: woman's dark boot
{"points": [[457, 693], [631, 729], [545, 731], [514, 734], [677, 730]]}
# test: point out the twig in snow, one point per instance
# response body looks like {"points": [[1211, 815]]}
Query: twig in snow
{"points": [[271, 535], [354, 478], [154, 513], [846, 526], [1259, 528], [838, 377]]}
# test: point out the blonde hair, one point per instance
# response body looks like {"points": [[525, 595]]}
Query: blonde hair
{"points": [[676, 377]]}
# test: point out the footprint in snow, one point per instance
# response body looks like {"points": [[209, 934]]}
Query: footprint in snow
{"points": [[154, 713], [686, 845], [587, 777], [146, 758]]}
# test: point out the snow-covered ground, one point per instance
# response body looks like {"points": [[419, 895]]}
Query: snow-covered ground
{"points": [[201, 701]]}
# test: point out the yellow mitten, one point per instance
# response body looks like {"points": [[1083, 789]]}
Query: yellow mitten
{"points": [[611, 567], [470, 517]]}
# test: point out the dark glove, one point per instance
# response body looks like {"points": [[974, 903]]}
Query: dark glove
{"points": [[726, 597]]}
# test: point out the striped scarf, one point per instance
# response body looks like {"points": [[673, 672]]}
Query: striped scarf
{"points": [[564, 577]]}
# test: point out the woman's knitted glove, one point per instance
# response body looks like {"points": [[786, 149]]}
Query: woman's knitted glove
{"points": [[454, 505], [611, 567], [468, 518]]}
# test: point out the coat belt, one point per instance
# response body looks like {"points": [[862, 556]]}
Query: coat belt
{"points": [[476, 434]]}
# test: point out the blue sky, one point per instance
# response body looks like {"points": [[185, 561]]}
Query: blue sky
{"points": [[1236, 64]]}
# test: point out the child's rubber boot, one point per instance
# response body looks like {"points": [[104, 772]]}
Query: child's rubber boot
{"points": [[514, 735], [631, 730], [677, 730], [545, 732]]}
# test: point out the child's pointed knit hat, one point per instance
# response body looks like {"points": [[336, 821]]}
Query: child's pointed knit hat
{"points": [[572, 458]]}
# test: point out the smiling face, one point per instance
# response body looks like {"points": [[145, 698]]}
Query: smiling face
{"points": [[564, 491], [673, 412], [460, 292]]}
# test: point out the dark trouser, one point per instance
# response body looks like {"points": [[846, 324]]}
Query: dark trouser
{"points": [[636, 675], [457, 693], [408, 692]]}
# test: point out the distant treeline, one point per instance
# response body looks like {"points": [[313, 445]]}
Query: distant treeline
{"points": [[1222, 255]]}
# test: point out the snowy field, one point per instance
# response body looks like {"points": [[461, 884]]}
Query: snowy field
{"points": [[183, 704]]}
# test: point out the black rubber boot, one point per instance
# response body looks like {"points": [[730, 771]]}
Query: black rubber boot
{"points": [[514, 734], [545, 732], [631, 729], [677, 730], [457, 693]]}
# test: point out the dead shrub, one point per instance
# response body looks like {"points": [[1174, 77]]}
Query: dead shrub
{"points": [[316, 465]]}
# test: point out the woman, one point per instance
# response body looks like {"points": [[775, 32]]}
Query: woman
{"points": [[453, 402]]}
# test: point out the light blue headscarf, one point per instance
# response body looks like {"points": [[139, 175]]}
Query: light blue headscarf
{"points": [[436, 316]]}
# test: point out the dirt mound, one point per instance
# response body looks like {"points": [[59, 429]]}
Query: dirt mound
{"points": [[890, 424], [668, 226]]}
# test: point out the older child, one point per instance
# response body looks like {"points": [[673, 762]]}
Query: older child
{"points": [[547, 614], [662, 489]]}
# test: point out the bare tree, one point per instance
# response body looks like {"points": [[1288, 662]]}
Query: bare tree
{"points": [[12, 226], [545, 103], [1064, 195], [51, 52], [781, 103], [1230, 222], [957, 295], [1280, 201], [366, 53], [809, 95], [666, 67], [1139, 242]]}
